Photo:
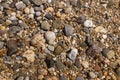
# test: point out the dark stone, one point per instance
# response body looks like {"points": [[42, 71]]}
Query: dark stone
{"points": [[48, 16], [90, 52], [77, 63], [88, 41], [105, 51], [81, 19], [12, 47], [50, 62]]}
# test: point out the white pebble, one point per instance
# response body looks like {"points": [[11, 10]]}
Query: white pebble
{"points": [[38, 13], [32, 10], [104, 36], [88, 23], [73, 53], [50, 36]]}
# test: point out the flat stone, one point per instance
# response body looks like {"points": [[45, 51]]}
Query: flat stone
{"points": [[1, 45], [60, 65], [12, 47], [108, 53], [45, 25], [50, 36], [20, 5], [37, 2], [73, 53], [88, 23], [68, 30]]}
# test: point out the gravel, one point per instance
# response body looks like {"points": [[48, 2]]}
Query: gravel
{"points": [[68, 30]]}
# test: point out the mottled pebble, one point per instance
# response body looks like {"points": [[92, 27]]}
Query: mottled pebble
{"points": [[58, 50], [68, 30], [37, 2], [60, 65], [73, 53], [50, 36], [88, 23], [85, 64], [12, 47], [45, 25], [1, 44], [108, 53], [29, 55], [20, 5], [38, 13], [92, 74]]}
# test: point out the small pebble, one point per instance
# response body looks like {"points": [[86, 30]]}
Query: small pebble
{"points": [[1, 45], [68, 30], [85, 64], [12, 47], [38, 13], [50, 62], [73, 53], [20, 78], [92, 74], [43, 72], [29, 55], [88, 23], [45, 25], [50, 36], [58, 50], [60, 65], [48, 16], [20, 5], [27, 10], [51, 48], [32, 11], [79, 78], [37, 2], [108, 53], [62, 77], [118, 71], [81, 19]]}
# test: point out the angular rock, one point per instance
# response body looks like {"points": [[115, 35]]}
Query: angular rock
{"points": [[20, 5], [85, 64], [68, 30], [12, 47], [81, 19]]}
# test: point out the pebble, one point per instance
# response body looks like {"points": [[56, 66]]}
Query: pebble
{"points": [[62, 77], [20, 78], [73, 53], [68, 30], [79, 78], [88, 23], [29, 55], [100, 29], [81, 19], [48, 16], [43, 72], [92, 74], [50, 36], [118, 71], [20, 5], [27, 10], [1, 44], [37, 2], [60, 65], [38, 13], [51, 48], [38, 41], [77, 63], [50, 62], [108, 53], [58, 50], [85, 64], [45, 25], [12, 47], [32, 11]]}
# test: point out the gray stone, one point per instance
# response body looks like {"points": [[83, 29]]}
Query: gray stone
{"points": [[79, 78], [60, 65], [37, 2], [63, 77], [50, 36], [20, 78], [92, 74], [20, 5], [45, 25], [68, 30], [12, 47], [73, 53], [1, 45], [108, 53], [51, 48]]}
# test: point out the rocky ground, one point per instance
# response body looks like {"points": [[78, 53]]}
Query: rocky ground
{"points": [[59, 39]]}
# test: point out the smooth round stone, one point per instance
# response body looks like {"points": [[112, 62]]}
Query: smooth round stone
{"points": [[92, 75], [20, 5], [38, 13], [37, 2], [51, 48], [20, 78], [50, 36], [73, 53], [88, 23], [1, 45], [45, 25], [68, 30]]}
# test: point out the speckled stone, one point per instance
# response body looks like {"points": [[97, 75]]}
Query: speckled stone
{"points": [[68, 30], [20, 5], [45, 25], [37, 2]]}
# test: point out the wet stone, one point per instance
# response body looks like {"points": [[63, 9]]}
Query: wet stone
{"points": [[12, 47], [68, 30], [1, 45], [45, 25], [108, 53], [60, 65]]}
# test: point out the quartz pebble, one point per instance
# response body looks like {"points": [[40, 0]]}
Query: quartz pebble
{"points": [[29, 55], [50, 36], [20, 5], [68, 30], [88, 23], [85, 64], [73, 53], [108, 53]]}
